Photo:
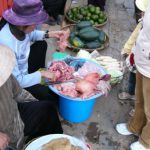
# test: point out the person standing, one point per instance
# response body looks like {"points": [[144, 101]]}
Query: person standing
{"points": [[139, 124]]}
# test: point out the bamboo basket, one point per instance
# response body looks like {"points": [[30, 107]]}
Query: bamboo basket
{"points": [[75, 22], [76, 49]]}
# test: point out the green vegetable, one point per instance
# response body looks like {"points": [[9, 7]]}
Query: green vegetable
{"points": [[90, 34], [94, 44], [83, 24], [102, 37], [116, 76], [76, 42], [86, 29]]}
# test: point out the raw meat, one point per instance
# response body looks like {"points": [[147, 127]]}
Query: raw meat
{"points": [[62, 71]]}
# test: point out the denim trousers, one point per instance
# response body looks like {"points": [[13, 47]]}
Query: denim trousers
{"points": [[131, 83], [139, 124]]}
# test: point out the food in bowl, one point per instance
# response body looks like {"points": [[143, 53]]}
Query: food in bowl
{"points": [[60, 144]]}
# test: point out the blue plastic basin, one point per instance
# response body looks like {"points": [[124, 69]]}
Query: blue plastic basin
{"points": [[77, 110]]}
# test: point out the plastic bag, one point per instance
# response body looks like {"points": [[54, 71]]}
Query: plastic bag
{"points": [[104, 87]]}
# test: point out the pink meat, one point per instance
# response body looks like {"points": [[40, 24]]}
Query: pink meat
{"points": [[85, 88], [67, 89], [62, 45], [63, 41], [93, 77], [62, 71]]}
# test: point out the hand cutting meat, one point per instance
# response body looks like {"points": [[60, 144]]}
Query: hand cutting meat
{"points": [[82, 82]]}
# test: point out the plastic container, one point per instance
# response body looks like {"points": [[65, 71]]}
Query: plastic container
{"points": [[59, 55], [77, 110]]}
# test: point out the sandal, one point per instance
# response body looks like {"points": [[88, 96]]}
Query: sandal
{"points": [[125, 96]]}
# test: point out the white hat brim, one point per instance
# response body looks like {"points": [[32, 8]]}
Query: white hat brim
{"points": [[140, 5], [7, 63]]}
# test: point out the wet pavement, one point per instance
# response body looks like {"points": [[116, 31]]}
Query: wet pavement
{"points": [[99, 129]]}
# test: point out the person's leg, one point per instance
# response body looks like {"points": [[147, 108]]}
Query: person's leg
{"points": [[60, 16], [145, 135], [131, 88], [137, 122], [138, 119], [100, 3], [42, 92], [131, 83], [37, 56], [52, 7], [40, 118], [61, 11]]}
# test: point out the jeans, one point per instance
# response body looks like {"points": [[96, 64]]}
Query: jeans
{"points": [[140, 122], [131, 83]]}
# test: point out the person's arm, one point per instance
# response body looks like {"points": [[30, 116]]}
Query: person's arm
{"points": [[20, 94], [37, 35], [26, 80], [4, 140], [40, 35], [131, 41]]}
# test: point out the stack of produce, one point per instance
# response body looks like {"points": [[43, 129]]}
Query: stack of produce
{"points": [[88, 13], [84, 35], [113, 67]]}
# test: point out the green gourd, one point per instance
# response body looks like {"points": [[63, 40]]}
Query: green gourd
{"points": [[93, 44], [83, 24]]}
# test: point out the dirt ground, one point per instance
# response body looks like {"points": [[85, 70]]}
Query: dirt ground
{"points": [[99, 129]]}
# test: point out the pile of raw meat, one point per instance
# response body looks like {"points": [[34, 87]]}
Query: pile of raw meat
{"points": [[62, 71], [87, 78]]}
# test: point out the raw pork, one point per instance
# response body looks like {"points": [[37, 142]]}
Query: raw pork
{"points": [[62, 71]]}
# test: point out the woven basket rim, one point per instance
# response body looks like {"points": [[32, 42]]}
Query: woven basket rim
{"points": [[105, 45], [75, 22]]}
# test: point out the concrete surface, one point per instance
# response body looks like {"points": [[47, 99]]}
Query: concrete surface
{"points": [[99, 129]]}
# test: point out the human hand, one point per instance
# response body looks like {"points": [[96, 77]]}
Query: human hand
{"points": [[48, 75], [4, 140], [56, 34]]}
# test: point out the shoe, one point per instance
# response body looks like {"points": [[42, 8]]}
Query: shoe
{"points": [[122, 129], [138, 146], [125, 96]]}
